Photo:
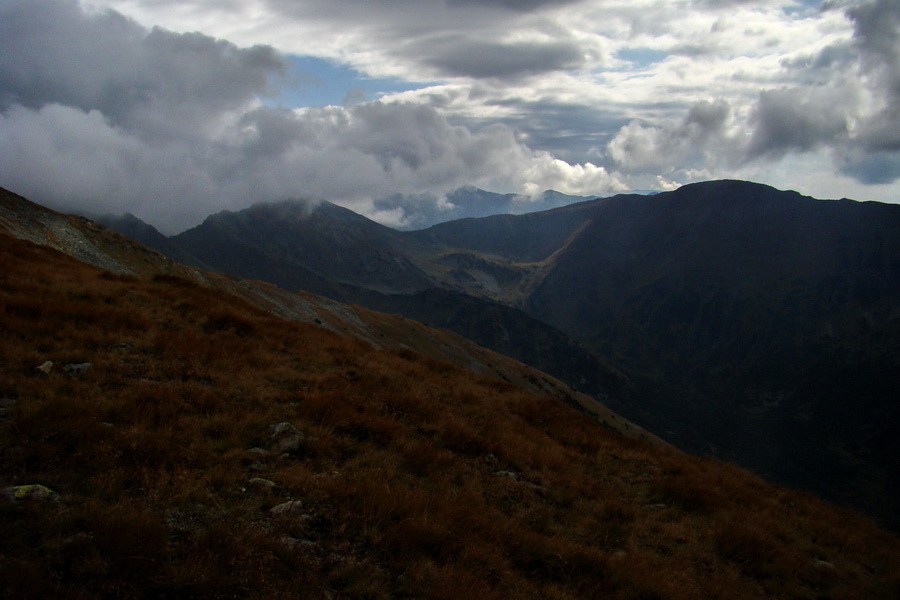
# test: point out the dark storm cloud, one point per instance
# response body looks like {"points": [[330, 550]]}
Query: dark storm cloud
{"points": [[448, 38], [515, 5], [55, 53], [795, 120], [874, 154], [877, 33], [461, 56]]}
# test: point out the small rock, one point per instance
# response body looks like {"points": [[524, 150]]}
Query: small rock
{"points": [[283, 429], [74, 369], [293, 507], [262, 485], [289, 444], [45, 368], [509, 474], [255, 453], [30, 492], [286, 438]]}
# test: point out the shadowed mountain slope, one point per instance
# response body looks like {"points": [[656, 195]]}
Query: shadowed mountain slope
{"points": [[769, 323], [298, 245], [752, 323], [187, 443], [98, 246]]}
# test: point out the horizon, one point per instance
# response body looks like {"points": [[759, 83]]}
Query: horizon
{"points": [[382, 206]]}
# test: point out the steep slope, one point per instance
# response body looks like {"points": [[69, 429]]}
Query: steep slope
{"points": [[510, 332], [98, 246], [186, 443], [768, 322]]}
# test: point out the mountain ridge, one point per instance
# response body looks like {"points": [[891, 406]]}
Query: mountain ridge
{"points": [[165, 433], [711, 299], [93, 244]]}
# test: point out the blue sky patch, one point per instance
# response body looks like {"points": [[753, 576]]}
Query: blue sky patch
{"points": [[642, 57], [319, 82]]}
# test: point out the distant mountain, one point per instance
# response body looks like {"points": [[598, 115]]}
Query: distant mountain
{"points": [[412, 211], [759, 325], [136, 229], [301, 245]]}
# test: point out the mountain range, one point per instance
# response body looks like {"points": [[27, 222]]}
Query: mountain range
{"points": [[728, 317], [168, 432]]}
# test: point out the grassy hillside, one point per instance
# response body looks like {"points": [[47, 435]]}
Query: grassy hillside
{"points": [[410, 478]]}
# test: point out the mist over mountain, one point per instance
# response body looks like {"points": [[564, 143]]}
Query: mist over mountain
{"points": [[755, 324], [410, 211]]}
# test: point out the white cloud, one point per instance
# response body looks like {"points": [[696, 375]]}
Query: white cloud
{"points": [[582, 96]]}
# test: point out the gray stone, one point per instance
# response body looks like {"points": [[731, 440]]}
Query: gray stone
{"points": [[289, 444], [294, 507], [283, 429], [286, 438], [45, 368], [256, 453], [261, 485], [77, 368]]}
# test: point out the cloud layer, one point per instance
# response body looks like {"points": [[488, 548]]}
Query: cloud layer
{"points": [[101, 111], [98, 113]]}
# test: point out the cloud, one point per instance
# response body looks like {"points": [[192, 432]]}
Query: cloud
{"points": [[514, 5], [873, 153], [877, 32], [583, 96], [652, 148], [53, 52], [462, 56], [173, 129], [798, 120]]}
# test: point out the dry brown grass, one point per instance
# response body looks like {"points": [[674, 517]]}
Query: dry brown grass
{"points": [[417, 478]]}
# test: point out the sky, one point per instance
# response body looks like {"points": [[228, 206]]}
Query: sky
{"points": [[175, 109]]}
